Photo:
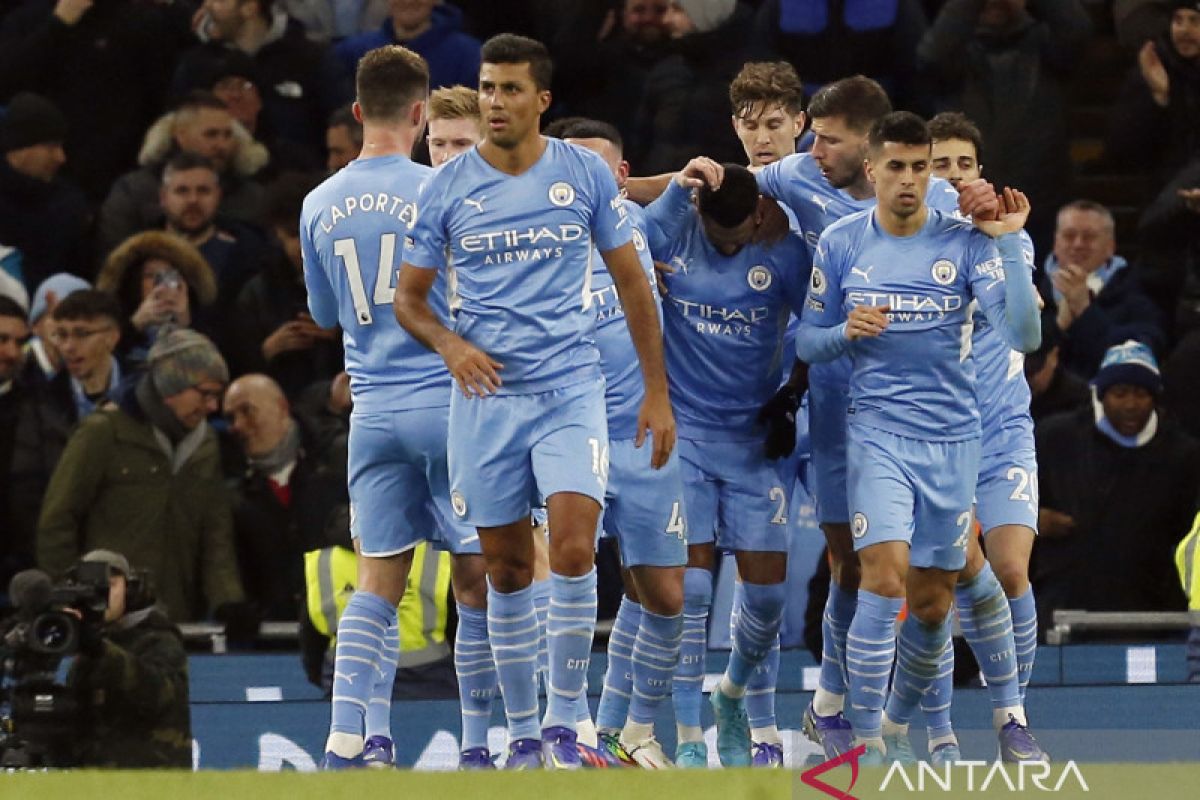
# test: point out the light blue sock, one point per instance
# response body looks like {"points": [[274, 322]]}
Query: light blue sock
{"points": [[1025, 635], [618, 679], [870, 648], [541, 606], [512, 631], [760, 691], [655, 656], [936, 700], [987, 627], [361, 640], [835, 622], [688, 684], [569, 629], [919, 651], [476, 674], [757, 630], [379, 709]]}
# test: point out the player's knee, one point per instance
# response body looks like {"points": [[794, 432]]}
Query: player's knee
{"points": [[697, 588], [1013, 575], [665, 599], [508, 576], [847, 574], [571, 556], [767, 600], [932, 608]]}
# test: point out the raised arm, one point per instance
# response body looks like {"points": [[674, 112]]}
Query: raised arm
{"points": [[1014, 311]]}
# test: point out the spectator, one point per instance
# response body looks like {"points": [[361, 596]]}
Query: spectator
{"points": [[143, 478], [300, 81], [431, 29], [88, 327], [1097, 299], [455, 125], [44, 361], [271, 330], [1053, 389], [201, 125], [290, 499], [41, 215], [683, 112], [1117, 485], [343, 139], [105, 65], [158, 278], [1004, 68], [1181, 383], [1155, 126], [190, 197], [826, 41], [1135, 21], [1169, 233], [333, 20], [13, 331]]}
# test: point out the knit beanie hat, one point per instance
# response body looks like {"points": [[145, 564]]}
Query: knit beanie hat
{"points": [[115, 562], [708, 15], [1129, 363], [31, 119], [62, 284], [181, 358]]}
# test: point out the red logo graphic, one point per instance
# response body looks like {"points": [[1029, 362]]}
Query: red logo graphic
{"points": [[809, 776]]}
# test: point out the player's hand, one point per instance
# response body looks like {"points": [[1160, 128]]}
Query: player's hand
{"points": [[864, 322], [339, 401], [1055, 524], [1154, 74], [288, 337], [978, 200], [661, 270], [779, 416], [656, 418], [475, 372], [699, 172], [1014, 212], [772, 224], [1191, 199]]}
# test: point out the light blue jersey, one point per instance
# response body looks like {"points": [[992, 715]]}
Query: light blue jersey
{"points": [[724, 319], [352, 231], [520, 258], [623, 386], [917, 378]]}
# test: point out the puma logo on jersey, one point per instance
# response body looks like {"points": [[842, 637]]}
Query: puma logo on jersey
{"points": [[821, 203], [475, 204], [864, 272]]}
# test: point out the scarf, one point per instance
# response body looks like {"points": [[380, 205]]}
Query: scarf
{"points": [[161, 417], [1140, 439], [280, 456]]}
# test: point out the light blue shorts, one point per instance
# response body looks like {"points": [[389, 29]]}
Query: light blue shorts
{"points": [[506, 451], [735, 496], [399, 485], [908, 490], [827, 407], [1007, 493], [643, 507]]}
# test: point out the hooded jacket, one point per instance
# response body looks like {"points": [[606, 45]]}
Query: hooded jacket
{"points": [[453, 56]]}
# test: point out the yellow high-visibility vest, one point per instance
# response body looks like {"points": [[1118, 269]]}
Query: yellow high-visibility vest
{"points": [[1187, 561], [330, 577]]}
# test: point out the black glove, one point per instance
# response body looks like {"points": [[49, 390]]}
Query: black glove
{"points": [[91, 637], [779, 417], [242, 621]]}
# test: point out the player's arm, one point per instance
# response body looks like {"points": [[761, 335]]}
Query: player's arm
{"points": [[646, 190], [641, 315], [1014, 311], [674, 207], [322, 303], [473, 370], [826, 331]]}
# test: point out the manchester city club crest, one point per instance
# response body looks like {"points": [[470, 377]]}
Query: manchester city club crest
{"points": [[639, 241], [458, 503], [562, 194], [944, 272], [860, 525], [759, 278]]}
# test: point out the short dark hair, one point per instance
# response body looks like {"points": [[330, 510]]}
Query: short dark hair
{"points": [[185, 160], [509, 48], [197, 99], [11, 308], [87, 304], [555, 129], [769, 83], [858, 100], [736, 200], [285, 198], [955, 125], [585, 128], [389, 80], [901, 127], [343, 117]]}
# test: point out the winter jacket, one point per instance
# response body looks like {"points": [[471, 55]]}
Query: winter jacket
{"points": [[319, 25], [453, 56], [48, 222], [1130, 506], [116, 488]]}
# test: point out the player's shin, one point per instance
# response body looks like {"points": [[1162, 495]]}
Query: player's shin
{"points": [[476, 673], [835, 623], [512, 627], [987, 626], [870, 649], [361, 633], [757, 632], [618, 679], [569, 630], [686, 689]]}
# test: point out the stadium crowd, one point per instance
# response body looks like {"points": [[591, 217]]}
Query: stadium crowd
{"points": [[156, 159]]}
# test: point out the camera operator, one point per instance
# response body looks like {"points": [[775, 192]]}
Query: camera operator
{"points": [[130, 679]]}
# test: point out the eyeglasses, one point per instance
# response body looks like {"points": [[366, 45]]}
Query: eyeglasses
{"points": [[210, 394], [78, 334]]}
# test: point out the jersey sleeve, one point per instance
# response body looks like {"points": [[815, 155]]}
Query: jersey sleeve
{"points": [[771, 179], [942, 196], [669, 212], [1001, 280], [611, 226], [822, 333], [425, 245], [322, 302]]}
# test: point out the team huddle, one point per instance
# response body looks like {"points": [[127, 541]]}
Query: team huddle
{"points": [[521, 335]]}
